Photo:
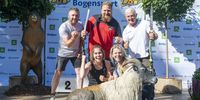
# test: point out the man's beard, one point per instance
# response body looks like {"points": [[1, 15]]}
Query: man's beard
{"points": [[106, 18]]}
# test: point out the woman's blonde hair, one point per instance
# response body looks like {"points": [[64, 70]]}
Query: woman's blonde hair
{"points": [[117, 46]]}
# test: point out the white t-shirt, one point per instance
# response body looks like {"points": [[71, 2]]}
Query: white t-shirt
{"points": [[65, 30], [137, 38]]}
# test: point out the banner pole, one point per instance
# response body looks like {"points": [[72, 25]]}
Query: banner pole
{"points": [[83, 40]]}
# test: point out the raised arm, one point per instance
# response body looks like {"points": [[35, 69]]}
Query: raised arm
{"points": [[85, 68], [109, 73]]}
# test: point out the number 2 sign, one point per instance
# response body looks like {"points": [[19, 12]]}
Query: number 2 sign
{"points": [[66, 84]]}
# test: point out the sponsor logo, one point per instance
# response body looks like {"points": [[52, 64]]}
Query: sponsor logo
{"points": [[2, 57], [2, 49], [51, 50], [188, 52], [87, 3], [51, 57], [3, 34], [176, 60], [13, 42], [64, 19], [176, 28], [60, 1], [3, 42], [52, 27], [191, 60], [188, 21], [16, 35], [12, 49], [189, 37], [11, 74], [177, 75], [199, 44], [187, 28], [3, 26], [129, 2], [50, 34], [50, 73], [164, 59], [3, 73], [13, 57], [176, 44], [197, 59], [175, 36], [198, 52], [49, 42], [13, 26], [189, 44]]}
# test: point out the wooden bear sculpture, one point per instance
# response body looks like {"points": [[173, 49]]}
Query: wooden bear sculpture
{"points": [[32, 42]]}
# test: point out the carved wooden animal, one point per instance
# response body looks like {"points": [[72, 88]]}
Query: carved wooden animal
{"points": [[32, 42]]}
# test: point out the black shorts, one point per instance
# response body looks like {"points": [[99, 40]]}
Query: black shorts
{"points": [[62, 62]]}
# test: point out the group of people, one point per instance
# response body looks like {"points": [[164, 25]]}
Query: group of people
{"points": [[104, 55]]}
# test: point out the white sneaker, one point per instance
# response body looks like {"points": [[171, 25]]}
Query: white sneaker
{"points": [[52, 97]]}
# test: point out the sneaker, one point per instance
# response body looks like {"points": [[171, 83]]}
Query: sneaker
{"points": [[53, 97]]}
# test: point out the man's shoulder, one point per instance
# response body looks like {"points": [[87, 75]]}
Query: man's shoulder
{"points": [[66, 23], [80, 23], [127, 27], [96, 16]]}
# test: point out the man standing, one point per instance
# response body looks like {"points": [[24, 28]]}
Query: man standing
{"points": [[70, 33], [136, 38], [103, 29]]}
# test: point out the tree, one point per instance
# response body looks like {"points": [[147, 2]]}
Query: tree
{"points": [[28, 13], [164, 10], [21, 9], [3, 3], [194, 90]]}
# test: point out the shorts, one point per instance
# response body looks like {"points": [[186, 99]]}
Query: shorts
{"points": [[62, 62]]}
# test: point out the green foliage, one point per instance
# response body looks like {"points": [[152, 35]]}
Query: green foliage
{"points": [[172, 10], [21, 9], [3, 3], [197, 74]]}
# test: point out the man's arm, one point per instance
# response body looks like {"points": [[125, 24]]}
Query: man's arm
{"points": [[70, 40]]}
